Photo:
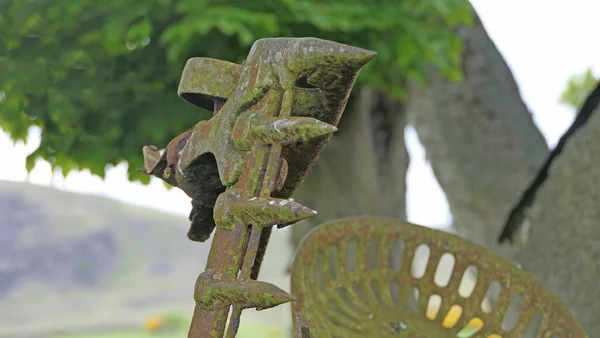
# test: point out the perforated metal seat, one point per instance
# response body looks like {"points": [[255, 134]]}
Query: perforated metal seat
{"points": [[384, 278]]}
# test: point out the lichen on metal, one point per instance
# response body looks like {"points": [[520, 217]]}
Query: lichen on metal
{"points": [[232, 209], [194, 87], [360, 278], [213, 289], [272, 116]]}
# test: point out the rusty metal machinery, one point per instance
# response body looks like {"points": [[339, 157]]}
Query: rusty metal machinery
{"points": [[272, 117], [368, 277]]}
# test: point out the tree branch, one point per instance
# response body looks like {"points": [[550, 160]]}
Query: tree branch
{"points": [[480, 138]]}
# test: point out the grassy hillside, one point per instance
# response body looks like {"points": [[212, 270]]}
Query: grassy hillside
{"points": [[73, 262]]}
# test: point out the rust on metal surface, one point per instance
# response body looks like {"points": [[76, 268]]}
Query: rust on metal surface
{"points": [[385, 278], [164, 165], [302, 329], [272, 116]]}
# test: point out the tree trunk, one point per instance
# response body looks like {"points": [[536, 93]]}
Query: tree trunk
{"points": [[485, 151], [480, 138], [362, 171], [560, 233]]}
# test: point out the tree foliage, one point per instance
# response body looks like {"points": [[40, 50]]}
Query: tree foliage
{"points": [[578, 89], [100, 77]]}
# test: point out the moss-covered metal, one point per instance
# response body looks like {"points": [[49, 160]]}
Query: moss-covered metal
{"points": [[360, 278], [272, 117], [213, 290]]}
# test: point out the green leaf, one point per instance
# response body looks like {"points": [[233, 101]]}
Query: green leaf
{"points": [[30, 163], [578, 89], [139, 32]]}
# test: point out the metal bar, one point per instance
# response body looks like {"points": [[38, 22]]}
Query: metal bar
{"points": [[222, 258], [236, 312]]}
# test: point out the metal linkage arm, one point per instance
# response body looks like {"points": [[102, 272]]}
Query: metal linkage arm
{"points": [[272, 117]]}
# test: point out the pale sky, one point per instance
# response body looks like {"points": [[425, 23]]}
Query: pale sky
{"points": [[543, 41]]}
